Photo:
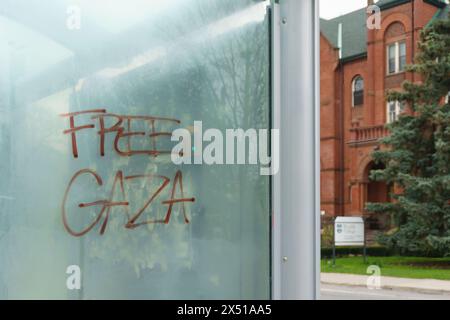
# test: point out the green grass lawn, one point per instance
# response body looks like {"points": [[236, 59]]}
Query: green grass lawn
{"points": [[403, 267]]}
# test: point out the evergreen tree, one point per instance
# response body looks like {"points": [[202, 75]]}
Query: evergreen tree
{"points": [[416, 154]]}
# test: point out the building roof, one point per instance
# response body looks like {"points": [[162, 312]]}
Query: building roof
{"points": [[386, 4], [354, 32], [443, 13], [354, 35]]}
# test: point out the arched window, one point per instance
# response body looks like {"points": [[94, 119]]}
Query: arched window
{"points": [[395, 48], [358, 91]]}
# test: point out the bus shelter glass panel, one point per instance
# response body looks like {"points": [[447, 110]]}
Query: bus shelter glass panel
{"points": [[92, 204]]}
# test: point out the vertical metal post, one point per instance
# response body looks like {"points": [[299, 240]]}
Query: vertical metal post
{"points": [[296, 231], [365, 252], [365, 244], [334, 255], [276, 181], [334, 242]]}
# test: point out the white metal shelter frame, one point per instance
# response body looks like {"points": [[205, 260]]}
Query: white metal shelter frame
{"points": [[295, 189]]}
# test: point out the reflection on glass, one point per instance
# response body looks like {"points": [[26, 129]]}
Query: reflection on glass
{"points": [[172, 62]]}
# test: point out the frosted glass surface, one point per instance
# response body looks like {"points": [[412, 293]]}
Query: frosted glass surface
{"points": [[172, 63]]}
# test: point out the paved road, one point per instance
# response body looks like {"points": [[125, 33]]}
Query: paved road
{"points": [[338, 292]]}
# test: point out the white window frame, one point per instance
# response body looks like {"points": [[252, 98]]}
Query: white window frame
{"points": [[396, 58], [399, 108]]}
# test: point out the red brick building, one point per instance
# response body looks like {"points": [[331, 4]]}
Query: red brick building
{"points": [[354, 80]]}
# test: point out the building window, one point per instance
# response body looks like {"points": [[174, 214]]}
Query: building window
{"points": [[391, 59], [394, 109], [358, 91], [402, 56], [396, 53]]}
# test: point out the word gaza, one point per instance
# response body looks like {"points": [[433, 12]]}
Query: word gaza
{"points": [[134, 220]]}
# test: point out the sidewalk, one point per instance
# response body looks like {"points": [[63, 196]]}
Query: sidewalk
{"points": [[416, 285]]}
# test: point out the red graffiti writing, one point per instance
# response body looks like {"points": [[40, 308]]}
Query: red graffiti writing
{"points": [[121, 128], [134, 220]]}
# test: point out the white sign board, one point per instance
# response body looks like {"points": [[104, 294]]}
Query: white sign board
{"points": [[349, 231]]}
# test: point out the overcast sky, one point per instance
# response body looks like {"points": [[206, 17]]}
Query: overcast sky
{"points": [[333, 8]]}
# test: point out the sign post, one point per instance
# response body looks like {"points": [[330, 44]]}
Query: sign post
{"points": [[349, 232]]}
